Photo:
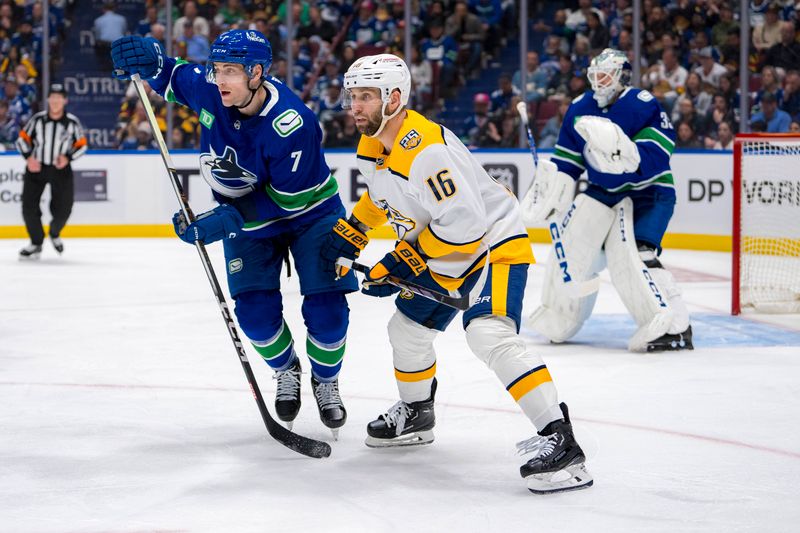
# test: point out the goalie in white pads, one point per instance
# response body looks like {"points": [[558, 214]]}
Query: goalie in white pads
{"points": [[448, 214], [623, 140]]}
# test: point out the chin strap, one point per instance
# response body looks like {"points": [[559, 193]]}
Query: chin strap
{"points": [[252, 95], [386, 118]]}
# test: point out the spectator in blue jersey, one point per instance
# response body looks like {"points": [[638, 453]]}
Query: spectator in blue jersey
{"points": [[441, 51], [504, 94], [490, 12], [145, 25], [261, 155], [27, 43], [777, 121], [9, 129], [18, 107], [364, 28]]}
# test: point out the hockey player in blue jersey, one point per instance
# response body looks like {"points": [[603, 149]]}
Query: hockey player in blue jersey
{"points": [[622, 138], [261, 155]]}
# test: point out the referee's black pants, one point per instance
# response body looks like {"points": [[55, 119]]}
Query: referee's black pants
{"points": [[62, 196]]}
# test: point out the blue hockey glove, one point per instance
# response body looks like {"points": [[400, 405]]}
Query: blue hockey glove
{"points": [[345, 240], [379, 290], [137, 55], [223, 222], [403, 262]]}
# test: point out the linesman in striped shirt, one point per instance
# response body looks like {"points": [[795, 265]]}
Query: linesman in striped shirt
{"points": [[49, 143]]}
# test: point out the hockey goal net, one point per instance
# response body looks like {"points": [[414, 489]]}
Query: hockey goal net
{"points": [[766, 223]]}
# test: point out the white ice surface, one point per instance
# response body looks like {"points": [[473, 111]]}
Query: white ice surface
{"points": [[123, 408]]}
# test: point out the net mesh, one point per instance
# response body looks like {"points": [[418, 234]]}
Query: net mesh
{"points": [[769, 261]]}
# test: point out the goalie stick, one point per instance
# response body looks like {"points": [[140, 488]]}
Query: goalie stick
{"points": [[522, 109], [293, 441], [573, 288], [457, 302]]}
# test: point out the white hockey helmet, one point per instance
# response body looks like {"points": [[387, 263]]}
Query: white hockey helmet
{"points": [[609, 74], [385, 72]]}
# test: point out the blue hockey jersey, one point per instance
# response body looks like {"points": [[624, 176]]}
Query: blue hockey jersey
{"points": [[269, 166], [642, 119]]}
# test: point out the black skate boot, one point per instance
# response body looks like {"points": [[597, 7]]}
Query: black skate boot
{"points": [[557, 464], [404, 424], [32, 251], [671, 342], [331, 409], [287, 397], [58, 244]]}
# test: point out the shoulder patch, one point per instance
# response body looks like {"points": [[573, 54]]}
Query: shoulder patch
{"points": [[287, 122], [411, 140], [206, 118], [644, 96]]}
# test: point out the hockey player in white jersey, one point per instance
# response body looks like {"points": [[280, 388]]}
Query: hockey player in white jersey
{"points": [[623, 140], [448, 214]]}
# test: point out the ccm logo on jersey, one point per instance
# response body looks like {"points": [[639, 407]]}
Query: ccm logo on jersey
{"points": [[560, 254], [411, 140]]}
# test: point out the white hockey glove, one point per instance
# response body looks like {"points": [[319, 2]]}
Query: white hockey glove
{"points": [[551, 194], [607, 148]]}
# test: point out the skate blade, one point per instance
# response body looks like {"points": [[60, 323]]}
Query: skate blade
{"points": [[32, 257], [573, 477], [289, 424], [412, 439], [335, 433]]}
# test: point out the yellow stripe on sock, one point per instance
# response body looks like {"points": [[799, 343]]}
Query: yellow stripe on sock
{"points": [[411, 377], [527, 382]]}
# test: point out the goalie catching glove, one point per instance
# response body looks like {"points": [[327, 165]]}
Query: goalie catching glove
{"points": [[346, 239], [222, 222], [607, 148]]}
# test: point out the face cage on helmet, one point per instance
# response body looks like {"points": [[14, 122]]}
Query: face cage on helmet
{"points": [[211, 75]]}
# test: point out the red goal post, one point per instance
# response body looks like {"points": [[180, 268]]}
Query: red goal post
{"points": [[766, 223]]}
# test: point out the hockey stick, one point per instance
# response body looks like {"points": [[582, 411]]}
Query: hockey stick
{"points": [[293, 441], [574, 289], [522, 109], [457, 302]]}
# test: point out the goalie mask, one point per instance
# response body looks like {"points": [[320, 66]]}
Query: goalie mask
{"points": [[609, 74], [385, 72]]}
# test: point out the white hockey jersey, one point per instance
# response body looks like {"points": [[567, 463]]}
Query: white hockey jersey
{"points": [[434, 193]]}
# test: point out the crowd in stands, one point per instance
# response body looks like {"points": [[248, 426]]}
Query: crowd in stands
{"points": [[454, 40], [21, 34], [690, 60]]}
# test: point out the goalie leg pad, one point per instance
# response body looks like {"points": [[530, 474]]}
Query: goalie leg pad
{"points": [[494, 340], [574, 260], [634, 282], [670, 289], [414, 357]]}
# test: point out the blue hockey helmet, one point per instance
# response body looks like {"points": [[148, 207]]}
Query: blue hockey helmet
{"points": [[245, 47]]}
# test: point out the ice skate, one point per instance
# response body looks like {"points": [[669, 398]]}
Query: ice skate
{"points": [[558, 461], [672, 342], [58, 244], [287, 397], [404, 424], [31, 252], [331, 409]]}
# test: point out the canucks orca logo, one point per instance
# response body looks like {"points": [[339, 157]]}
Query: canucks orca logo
{"points": [[224, 174], [402, 224]]}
